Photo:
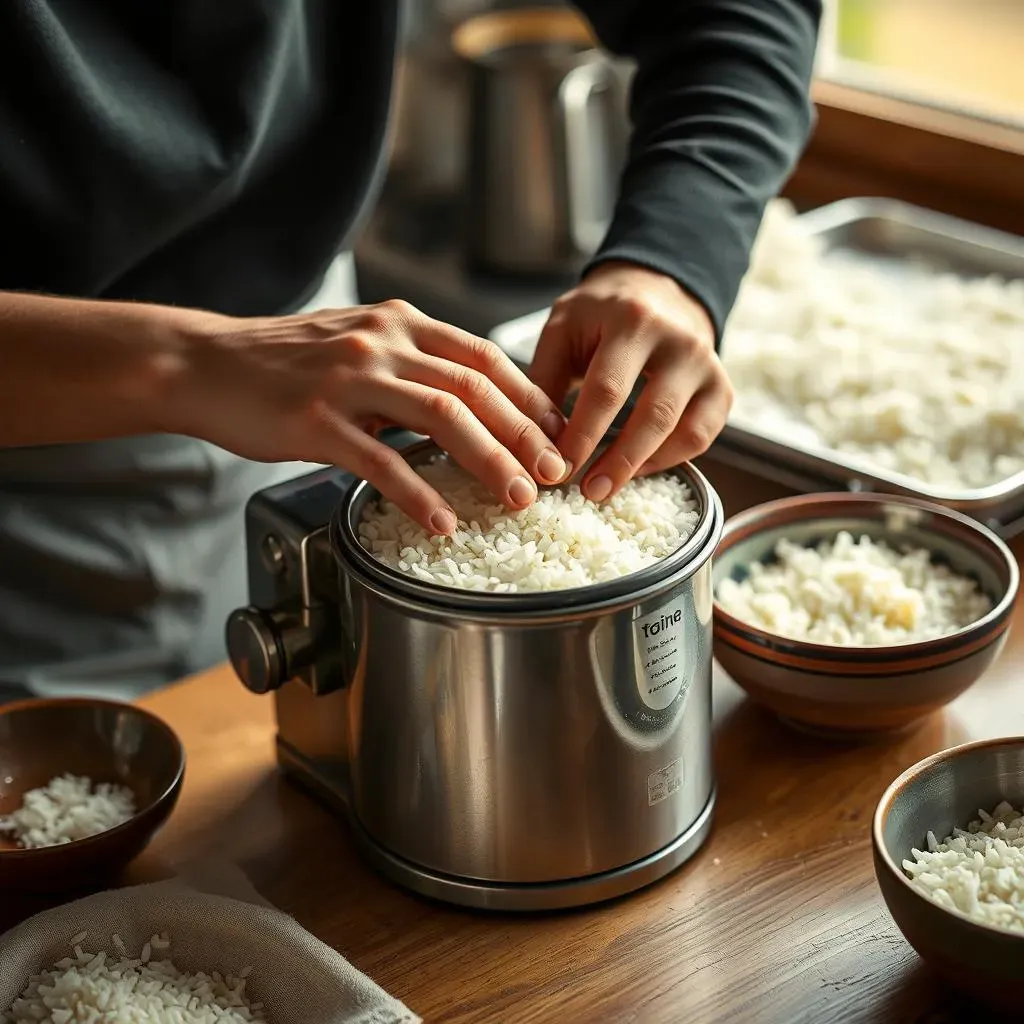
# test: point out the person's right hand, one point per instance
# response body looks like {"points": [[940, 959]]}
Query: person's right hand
{"points": [[319, 387]]}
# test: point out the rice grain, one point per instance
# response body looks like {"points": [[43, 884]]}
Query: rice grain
{"points": [[906, 369], [977, 871], [118, 989], [562, 540], [853, 593], [67, 808]]}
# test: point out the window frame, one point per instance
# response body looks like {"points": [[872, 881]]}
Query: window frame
{"points": [[872, 144], [874, 139]]}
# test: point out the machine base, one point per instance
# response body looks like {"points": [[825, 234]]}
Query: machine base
{"points": [[485, 895]]}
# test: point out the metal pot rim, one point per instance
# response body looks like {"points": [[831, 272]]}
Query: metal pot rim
{"points": [[352, 558]]}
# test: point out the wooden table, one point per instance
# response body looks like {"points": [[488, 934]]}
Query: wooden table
{"points": [[777, 919]]}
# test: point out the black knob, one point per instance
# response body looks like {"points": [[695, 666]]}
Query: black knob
{"points": [[267, 648], [255, 650]]}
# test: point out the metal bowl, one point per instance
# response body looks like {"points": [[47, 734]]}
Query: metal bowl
{"points": [[857, 691], [106, 741], [938, 794]]}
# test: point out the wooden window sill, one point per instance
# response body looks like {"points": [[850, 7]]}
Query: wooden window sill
{"points": [[871, 145]]}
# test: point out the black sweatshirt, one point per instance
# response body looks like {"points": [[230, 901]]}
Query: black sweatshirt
{"points": [[217, 153]]}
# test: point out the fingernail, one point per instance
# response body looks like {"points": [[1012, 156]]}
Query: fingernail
{"points": [[599, 488], [521, 491], [443, 521], [567, 472], [552, 424], [550, 466]]}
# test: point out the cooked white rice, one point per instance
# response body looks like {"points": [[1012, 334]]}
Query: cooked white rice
{"points": [[909, 370], [562, 540], [114, 988], [853, 593], [68, 807], [978, 870]]}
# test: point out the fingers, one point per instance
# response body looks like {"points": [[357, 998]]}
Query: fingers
{"points": [[614, 370], [468, 396], [699, 425], [487, 359], [495, 410], [652, 422], [552, 369], [443, 417], [386, 470]]}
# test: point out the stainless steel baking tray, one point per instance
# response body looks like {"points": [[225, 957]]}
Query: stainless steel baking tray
{"points": [[890, 234]]}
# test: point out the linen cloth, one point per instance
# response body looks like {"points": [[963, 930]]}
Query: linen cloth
{"points": [[216, 921]]}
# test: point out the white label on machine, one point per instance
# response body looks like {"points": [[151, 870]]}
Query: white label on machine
{"points": [[660, 654], [664, 782]]}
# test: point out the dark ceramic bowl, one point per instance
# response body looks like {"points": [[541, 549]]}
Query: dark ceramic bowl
{"points": [[938, 794], [858, 691], [106, 741]]}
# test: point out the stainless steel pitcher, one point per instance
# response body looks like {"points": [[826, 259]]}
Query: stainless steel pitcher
{"points": [[547, 140]]}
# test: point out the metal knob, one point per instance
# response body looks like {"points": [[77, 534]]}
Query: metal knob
{"points": [[267, 648]]}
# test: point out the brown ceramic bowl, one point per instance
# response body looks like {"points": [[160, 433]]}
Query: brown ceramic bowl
{"points": [[858, 691], [938, 794], [106, 741]]}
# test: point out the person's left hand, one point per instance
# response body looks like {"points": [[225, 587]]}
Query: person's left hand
{"points": [[621, 323]]}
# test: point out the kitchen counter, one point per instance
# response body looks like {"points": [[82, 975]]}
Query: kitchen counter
{"points": [[777, 919]]}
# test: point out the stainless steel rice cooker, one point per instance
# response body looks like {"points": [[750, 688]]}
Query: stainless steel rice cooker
{"points": [[504, 751]]}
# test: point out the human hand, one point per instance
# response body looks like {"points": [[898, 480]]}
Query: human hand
{"points": [[319, 387], [621, 323]]}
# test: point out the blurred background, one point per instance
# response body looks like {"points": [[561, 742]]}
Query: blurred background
{"points": [[965, 54], [495, 196]]}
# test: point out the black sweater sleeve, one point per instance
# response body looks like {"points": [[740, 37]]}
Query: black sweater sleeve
{"points": [[721, 111]]}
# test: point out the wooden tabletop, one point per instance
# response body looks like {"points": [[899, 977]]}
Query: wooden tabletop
{"points": [[777, 919]]}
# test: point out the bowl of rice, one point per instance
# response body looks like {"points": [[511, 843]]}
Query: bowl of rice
{"points": [[84, 786], [856, 614], [948, 841]]}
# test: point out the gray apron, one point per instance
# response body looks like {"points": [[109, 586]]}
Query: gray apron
{"points": [[120, 560]]}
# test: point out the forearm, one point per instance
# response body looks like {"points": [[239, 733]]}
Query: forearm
{"points": [[77, 370], [721, 113]]}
